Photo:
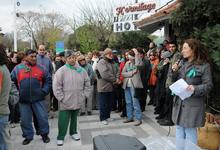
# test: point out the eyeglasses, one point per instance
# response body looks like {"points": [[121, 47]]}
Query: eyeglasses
{"points": [[82, 60]]}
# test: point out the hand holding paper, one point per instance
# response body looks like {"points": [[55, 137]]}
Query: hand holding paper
{"points": [[179, 88]]}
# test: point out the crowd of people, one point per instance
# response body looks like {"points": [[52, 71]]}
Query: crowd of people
{"points": [[32, 83]]}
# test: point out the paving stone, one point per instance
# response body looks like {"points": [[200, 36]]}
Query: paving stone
{"points": [[90, 126]]}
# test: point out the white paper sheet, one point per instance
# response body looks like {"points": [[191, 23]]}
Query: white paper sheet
{"points": [[179, 89]]}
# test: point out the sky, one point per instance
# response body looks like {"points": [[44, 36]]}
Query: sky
{"points": [[65, 7]]}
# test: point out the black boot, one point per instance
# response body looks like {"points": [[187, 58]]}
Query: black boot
{"points": [[26, 141], [45, 138]]}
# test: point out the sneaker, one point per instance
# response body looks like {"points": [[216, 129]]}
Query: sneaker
{"points": [[26, 141], [110, 119], [128, 120], [45, 139], [137, 123], [76, 137], [59, 142], [105, 122]]}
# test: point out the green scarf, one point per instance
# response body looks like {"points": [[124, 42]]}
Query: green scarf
{"points": [[130, 68], [26, 68], [77, 69], [191, 73]]}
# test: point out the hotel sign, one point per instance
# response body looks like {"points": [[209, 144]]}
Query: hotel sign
{"points": [[142, 7], [125, 16]]}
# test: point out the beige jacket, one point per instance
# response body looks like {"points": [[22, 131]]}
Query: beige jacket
{"points": [[70, 87], [128, 73]]}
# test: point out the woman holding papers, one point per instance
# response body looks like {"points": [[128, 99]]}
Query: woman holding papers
{"points": [[188, 114]]}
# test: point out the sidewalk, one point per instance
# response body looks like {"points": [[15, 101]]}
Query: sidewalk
{"points": [[90, 126]]}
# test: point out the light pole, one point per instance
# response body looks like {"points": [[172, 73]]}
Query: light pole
{"points": [[31, 40], [15, 27]]}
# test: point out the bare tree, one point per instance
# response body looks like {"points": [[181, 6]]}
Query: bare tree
{"points": [[100, 16], [44, 28], [27, 24]]}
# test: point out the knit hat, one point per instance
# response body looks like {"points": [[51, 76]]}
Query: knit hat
{"points": [[107, 51], [68, 53]]}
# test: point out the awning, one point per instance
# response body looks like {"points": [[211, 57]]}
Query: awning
{"points": [[157, 20]]}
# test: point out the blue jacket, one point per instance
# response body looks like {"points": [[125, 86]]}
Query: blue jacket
{"points": [[34, 82], [46, 62]]}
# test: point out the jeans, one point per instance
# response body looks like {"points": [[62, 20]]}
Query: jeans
{"points": [[105, 101], [132, 104], [39, 109], [5, 143], [189, 134]]}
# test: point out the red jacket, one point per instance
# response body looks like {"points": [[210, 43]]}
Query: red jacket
{"points": [[122, 64], [34, 82], [153, 77]]}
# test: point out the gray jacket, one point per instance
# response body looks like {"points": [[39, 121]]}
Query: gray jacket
{"points": [[5, 86], [70, 87], [107, 75], [128, 73], [190, 113]]}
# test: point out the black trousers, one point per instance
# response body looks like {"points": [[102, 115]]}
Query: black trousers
{"points": [[105, 104], [168, 105], [14, 116], [152, 94], [143, 99]]}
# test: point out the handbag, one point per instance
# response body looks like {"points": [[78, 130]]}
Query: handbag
{"points": [[209, 135]]}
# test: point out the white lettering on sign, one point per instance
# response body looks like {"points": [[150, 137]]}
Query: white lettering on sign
{"points": [[124, 26]]}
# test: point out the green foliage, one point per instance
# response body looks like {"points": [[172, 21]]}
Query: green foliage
{"points": [[85, 36], [128, 40], [86, 39], [211, 39], [195, 13]]}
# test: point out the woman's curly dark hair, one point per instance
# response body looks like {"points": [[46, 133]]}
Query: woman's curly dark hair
{"points": [[199, 50]]}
